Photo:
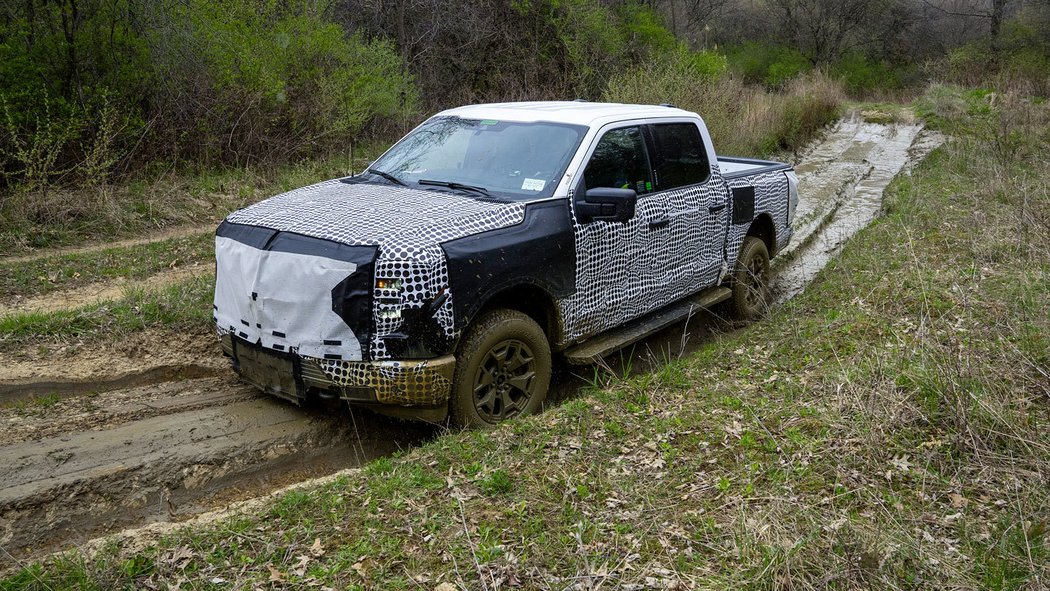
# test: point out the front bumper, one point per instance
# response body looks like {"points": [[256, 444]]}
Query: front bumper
{"points": [[418, 383]]}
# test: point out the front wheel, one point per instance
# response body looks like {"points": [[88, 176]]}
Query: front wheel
{"points": [[750, 280], [503, 370]]}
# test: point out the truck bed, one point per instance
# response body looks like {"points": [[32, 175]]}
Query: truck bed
{"points": [[733, 167]]}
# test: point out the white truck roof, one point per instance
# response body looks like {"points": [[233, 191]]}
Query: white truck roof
{"points": [[574, 112]]}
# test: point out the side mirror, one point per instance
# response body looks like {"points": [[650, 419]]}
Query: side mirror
{"points": [[606, 204]]}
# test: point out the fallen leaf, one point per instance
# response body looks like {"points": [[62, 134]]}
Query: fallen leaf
{"points": [[300, 567], [276, 576], [317, 549], [445, 587]]}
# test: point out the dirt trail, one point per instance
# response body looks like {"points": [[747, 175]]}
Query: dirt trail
{"points": [[155, 428], [841, 183], [176, 232], [101, 292]]}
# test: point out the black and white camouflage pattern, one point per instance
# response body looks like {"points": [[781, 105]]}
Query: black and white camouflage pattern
{"points": [[771, 189], [632, 256], [407, 225]]}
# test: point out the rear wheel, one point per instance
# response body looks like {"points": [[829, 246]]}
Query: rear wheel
{"points": [[751, 277], [503, 370]]}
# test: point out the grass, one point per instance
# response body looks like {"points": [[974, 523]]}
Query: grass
{"points": [[69, 271], [158, 198], [183, 305], [743, 119], [888, 428]]}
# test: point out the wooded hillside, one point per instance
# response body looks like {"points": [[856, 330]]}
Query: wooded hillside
{"points": [[90, 89]]}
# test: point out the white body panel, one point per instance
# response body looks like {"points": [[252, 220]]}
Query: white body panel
{"points": [[258, 293]]}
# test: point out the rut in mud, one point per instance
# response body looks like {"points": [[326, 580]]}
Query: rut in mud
{"points": [[156, 429]]}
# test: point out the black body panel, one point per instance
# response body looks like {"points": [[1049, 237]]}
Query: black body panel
{"points": [[540, 251], [743, 205]]}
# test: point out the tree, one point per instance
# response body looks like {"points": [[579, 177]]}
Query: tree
{"points": [[823, 30]]}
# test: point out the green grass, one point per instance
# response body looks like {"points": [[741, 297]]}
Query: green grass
{"points": [[69, 271], [887, 428], [183, 305]]}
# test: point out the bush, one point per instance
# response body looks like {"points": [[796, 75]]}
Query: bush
{"points": [[862, 75], [769, 64], [1020, 58], [743, 118], [91, 88]]}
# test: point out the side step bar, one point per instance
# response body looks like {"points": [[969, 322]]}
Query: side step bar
{"points": [[603, 344]]}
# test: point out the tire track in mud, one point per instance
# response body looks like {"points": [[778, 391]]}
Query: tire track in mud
{"points": [[175, 232], [94, 293], [841, 185], [165, 453], [105, 454]]}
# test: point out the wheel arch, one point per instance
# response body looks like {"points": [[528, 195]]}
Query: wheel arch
{"points": [[531, 300], [764, 229]]}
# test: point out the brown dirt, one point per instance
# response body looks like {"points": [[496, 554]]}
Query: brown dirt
{"points": [[100, 292]]}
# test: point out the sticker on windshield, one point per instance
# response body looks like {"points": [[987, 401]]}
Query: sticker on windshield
{"points": [[533, 184]]}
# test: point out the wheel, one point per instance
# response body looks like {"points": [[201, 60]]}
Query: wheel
{"points": [[503, 370], [750, 280]]}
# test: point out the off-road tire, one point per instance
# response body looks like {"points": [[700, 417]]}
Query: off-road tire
{"points": [[750, 280], [503, 370]]}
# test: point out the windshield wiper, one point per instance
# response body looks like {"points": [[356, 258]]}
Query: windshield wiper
{"points": [[387, 176], [455, 185]]}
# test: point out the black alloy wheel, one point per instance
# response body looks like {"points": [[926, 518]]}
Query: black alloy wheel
{"points": [[503, 370]]}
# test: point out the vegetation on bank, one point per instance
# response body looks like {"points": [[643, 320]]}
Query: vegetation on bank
{"points": [[886, 428], [110, 112]]}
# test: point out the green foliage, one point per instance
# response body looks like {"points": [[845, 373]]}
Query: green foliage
{"points": [[861, 74], [1021, 56], [767, 63], [92, 88]]}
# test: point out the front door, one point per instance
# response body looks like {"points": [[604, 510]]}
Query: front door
{"points": [[617, 263]]}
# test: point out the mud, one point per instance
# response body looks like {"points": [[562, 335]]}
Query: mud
{"points": [[154, 429], [841, 183]]}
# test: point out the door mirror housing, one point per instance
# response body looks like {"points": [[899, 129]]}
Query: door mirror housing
{"points": [[606, 204]]}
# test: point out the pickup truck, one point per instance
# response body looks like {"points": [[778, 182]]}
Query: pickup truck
{"points": [[442, 280]]}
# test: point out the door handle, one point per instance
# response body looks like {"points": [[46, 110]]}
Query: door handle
{"points": [[659, 223], [716, 208]]}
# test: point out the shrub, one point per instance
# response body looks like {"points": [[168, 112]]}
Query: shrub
{"points": [[743, 118], [83, 84], [769, 64]]}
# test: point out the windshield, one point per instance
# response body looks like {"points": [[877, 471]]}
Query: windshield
{"points": [[502, 159]]}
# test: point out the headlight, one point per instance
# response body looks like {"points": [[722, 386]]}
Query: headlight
{"points": [[394, 284]]}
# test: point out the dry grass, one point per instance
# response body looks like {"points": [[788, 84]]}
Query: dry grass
{"points": [[744, 120], [49, 216]]}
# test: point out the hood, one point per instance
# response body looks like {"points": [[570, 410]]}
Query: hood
{"points": [[390, 217]]}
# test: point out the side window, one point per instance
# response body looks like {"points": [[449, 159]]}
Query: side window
{"points": [[620, 162], [680, 159]]}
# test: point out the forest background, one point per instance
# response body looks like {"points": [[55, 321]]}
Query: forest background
{"points": [[118, 115]]}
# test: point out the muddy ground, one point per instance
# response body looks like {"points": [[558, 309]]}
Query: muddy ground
{"points": [[155, 428]]}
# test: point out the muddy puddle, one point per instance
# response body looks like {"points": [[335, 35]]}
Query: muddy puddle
{"points": [[156, 430], [841, 184]]}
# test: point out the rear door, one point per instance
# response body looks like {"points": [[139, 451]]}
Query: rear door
{"points": [[694, 231]]}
